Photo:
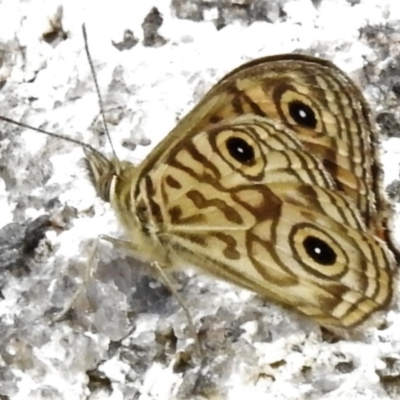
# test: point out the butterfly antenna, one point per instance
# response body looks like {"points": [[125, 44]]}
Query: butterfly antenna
{"points": [[56, 135], [100, 100]]}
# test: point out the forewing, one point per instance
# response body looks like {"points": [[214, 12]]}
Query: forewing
{"points": [[318, 102]]}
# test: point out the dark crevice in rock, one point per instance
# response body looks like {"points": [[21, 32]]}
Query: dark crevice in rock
{"points": [[150, 26], [18, 242], [225, 12], [56, 34], [389, 124], [127, 42]]}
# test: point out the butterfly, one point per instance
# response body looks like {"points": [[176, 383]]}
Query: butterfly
{"points": [[271, 182]]}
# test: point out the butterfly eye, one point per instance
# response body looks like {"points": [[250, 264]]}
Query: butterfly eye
{"points": [[319, 250], [302, 114], [240, 150]]}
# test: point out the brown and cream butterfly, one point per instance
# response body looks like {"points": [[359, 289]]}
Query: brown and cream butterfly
{"points": [[271, 182]]}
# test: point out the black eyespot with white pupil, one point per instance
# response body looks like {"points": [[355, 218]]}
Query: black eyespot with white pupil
{"points": [[240, 150], [302, 114], [319, 251]]}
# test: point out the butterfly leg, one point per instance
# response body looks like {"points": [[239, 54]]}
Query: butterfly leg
{"points": [[166, 279], [89, 271]]}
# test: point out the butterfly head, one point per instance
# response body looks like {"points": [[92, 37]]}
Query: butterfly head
{"points": [[101, 172]]}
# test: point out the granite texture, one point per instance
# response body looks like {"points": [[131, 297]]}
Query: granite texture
{"points": [[125, 336]]}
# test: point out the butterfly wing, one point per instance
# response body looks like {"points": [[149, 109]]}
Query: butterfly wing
{"points": [[245, 201], [313, 98]]}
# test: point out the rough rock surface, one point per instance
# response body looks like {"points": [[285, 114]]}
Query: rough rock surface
{"points": [[125, 336]]}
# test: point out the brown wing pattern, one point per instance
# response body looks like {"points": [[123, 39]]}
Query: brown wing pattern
{"points": [[313, 98], [247, 202]]}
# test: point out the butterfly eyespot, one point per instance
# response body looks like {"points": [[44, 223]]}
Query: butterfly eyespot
{"points": [[298, 110], [302, 114], [320, 251], [240, 150]]}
